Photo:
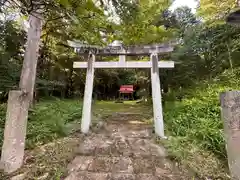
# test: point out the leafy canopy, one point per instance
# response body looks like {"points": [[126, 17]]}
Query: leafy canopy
{"points": [[215, 11]]}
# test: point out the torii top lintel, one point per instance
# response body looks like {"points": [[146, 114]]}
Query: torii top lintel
{"points": [[122, 50]]}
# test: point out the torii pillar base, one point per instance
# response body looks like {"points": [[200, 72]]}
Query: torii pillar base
{"points": [[15, 131]]}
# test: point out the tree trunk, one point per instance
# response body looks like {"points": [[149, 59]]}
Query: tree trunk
{"points": [[19, 101]]}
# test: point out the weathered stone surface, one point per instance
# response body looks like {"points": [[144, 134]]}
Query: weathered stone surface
{"points": [[123, 176], [142, 165], [45, 176], [140, 147], [18, 103], [124, 131], [230, 103], [111, 164], [86, 148], [121, 144], [123, 165], [146, 177], [88, 176], [14, 132], [80, 163], [93, 143], [122, 151], [162, 173], [157, 150], [19, 177], [101, 164]]}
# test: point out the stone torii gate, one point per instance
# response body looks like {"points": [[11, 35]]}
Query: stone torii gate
{"points": [[117, 49]]}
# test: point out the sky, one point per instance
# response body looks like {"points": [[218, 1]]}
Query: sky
{"points": [[190, 3]]}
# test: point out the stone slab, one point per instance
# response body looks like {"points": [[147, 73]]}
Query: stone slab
{"points": [[111, 164], [123, 176], [91, 144], [80, 163], [146, 177], [88, 176], [142, 165], [146, 148]]}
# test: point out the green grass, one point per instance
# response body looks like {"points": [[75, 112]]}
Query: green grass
{"points": [[47, 121], [104, 108], [49, 151], [195, 127], [51, 119], [55, 118]]}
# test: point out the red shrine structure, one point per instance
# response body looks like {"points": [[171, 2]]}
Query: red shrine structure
{"points": [[126, 90]]}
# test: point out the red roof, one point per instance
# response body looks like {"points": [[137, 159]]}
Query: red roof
{"points": [[126, 89]]}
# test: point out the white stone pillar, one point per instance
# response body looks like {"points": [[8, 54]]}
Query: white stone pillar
{"points": [[156, 97], [15, 131], [19, 101], [122, 59], [87, 102]]}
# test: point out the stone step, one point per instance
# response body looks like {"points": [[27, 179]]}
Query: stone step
{"points": [[119, 145], [87, 176], [122, 164], [101, 164], [129, 133], [107, 176], [130, 126]]}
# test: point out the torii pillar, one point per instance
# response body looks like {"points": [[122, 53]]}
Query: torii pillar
{"points": [[156, 96], [87, 100], [154, 64]]}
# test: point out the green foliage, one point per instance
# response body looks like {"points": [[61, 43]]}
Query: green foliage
{"points": [[199, 122], [196, 120], [205, 52], [138, 21], [48, 120], [215, 11], [11, 44], [86, 21]]}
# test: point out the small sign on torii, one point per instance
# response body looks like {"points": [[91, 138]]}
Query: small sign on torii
{"points": [[117, 49]]}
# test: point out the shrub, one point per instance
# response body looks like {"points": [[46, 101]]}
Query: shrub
{"points": [[196, 122], [47, 120]]}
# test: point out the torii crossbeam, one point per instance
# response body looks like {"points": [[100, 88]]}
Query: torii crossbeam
{"points": [[150, 50]]}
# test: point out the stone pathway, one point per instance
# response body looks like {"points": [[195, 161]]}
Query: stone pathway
{"points": [[122, 149]]}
